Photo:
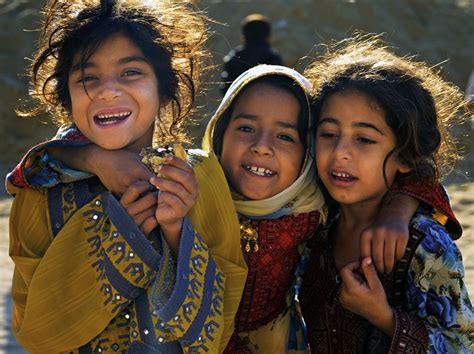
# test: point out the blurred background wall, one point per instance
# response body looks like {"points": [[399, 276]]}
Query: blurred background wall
{"points": [[438, 31]]}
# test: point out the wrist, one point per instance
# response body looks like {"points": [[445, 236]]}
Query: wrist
{"points": [[90, 154], [172, 235], [385, 321], [400, 205]]}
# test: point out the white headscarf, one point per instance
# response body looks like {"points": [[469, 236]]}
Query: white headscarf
{"points": [[304, 194]]}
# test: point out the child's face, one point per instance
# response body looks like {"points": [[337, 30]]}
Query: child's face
{"points": [[121, 103], [262, 152], [352, 143]]}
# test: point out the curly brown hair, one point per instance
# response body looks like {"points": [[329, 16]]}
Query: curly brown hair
{"points": [[420, 107], [170, 34]]}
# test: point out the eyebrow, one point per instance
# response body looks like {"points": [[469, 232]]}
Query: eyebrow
{"points": [[254, 118], [356, 124], [124, 60]]}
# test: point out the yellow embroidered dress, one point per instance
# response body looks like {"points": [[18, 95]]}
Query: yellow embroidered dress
{"points": [[88, 280]]}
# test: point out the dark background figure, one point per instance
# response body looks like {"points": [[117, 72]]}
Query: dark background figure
{"points": [[255, 49]]}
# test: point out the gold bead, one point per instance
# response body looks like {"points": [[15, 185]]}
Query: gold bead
{"points": [[247, 247]]}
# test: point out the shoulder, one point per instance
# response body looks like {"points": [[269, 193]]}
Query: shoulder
{"points": [[29, 218], [437, 259], [29, 197], [436, 239]]}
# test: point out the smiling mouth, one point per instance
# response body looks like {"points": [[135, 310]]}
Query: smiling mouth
{"points": [[104, 119], [343, 176], [259, 171]]}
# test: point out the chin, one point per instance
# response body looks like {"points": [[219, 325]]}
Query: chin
{"points": [[255, 195]]}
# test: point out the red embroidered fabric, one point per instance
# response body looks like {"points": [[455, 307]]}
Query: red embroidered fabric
{"points": [[17, 176], [271, 271], [432, 195], [333, 329]]}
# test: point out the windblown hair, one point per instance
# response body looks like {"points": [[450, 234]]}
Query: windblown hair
{"points": [[419, 106], [170, 34]]}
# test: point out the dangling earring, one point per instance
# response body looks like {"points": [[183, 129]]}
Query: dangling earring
{"points": [[248, 236]]}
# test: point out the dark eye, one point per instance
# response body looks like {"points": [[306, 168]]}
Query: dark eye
{"points": [[86, 78], [327, 135], [286, 137], [366, 141], [131, 72], [245, 128]]}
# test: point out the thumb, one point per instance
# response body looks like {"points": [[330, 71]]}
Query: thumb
{"points": [[347, 275], [370, 273]]}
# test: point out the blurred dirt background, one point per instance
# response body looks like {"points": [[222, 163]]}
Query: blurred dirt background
{"points": [[438, 31]]}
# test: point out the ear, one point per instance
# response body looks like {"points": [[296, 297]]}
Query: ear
{"points": [[402, 168]]}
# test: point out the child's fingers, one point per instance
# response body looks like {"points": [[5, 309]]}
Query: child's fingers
{"points": [[140, 218], [183, 176], [166, 185], [378, 245], [389, 253], [178, 163], [348, 276], [142, 204], [366, 243], [179, 209], [149, 224], [132, 193], [401, 245], [370, 274], [372, 245]]}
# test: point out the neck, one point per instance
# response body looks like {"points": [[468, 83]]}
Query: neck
{"points": [[357, 216]]}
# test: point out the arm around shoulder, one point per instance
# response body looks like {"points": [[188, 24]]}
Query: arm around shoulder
{"points": [[436, 293]]}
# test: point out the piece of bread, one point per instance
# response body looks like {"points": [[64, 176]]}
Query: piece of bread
{"points": [[154, 157]]}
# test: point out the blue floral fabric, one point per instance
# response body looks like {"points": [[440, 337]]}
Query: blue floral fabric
{"points": [[436, 292]]}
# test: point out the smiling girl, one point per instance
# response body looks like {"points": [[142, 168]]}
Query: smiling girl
{"points": [[379, 116], [87, 278]]}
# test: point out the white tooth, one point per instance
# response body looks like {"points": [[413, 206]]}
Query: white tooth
{"points": [[268, 172], [261, 169], [254, 169]]}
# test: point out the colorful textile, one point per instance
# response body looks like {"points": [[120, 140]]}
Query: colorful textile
{"points": [[78, 251], [266, 321], [277, 219], [432, 308], [271, 269], [434, 196]]}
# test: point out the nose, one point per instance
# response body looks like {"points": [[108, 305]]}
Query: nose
{"points": [[109, 89], [342, 149], [262, 145]]}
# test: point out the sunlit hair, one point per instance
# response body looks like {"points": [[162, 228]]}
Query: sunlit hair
{"points": [[170, 34], [419, 106]]}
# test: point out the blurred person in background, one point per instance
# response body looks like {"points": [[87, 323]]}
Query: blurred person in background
{"points": [[255, 49]]}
